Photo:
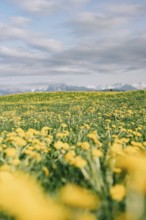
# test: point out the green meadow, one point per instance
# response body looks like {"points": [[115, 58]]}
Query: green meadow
{"points": [[73, 156]]}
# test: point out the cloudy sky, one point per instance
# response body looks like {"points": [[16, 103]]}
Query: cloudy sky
{"points": [[80, 42]]}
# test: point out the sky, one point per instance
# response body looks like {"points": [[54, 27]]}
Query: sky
{"points": [[78, 42]]}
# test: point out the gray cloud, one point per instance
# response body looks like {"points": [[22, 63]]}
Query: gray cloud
{"points": [[102, 44], [91, 57], [88, 58], [107, 18]]}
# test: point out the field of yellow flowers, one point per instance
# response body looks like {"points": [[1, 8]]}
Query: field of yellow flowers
{"points": [[73, 156]]}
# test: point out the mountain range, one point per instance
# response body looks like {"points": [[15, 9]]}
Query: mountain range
{"points": [[58, 87]]}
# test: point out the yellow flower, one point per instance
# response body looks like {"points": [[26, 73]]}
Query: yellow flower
{"points": [[116, 150], [121, 141], [86, 126], [20, 132], [124, 216], [136, 167], [1, 140], [16, 162], [60, 135], [48, 140], [19, 142], [10, 152], [23, 198], [69, 155], [84, 145], [58, 145], [36, 156], [45, 130], [129, 150], [86, 216], [63, 125], [94, 137], [78, 162], [118, 192], [108, 120], [77, 196], [136, 133], [65, 146], [45, 170], [66, 133], [97, 153], [5, 167], [137, 144]]}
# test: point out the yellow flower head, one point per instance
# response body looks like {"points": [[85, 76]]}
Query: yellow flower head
{"points": [[118, 192], [94, 137], [70, 155], [63, 125], [45, 170], [86, 216], [16, 162], [19, 142], [77, 196], [21, 196], [10, 152], [97, 153], [58, 145], [84, 145], [78, 162]]}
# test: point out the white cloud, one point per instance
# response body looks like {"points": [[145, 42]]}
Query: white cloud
{"points": [[46, 44], [11, 32], [20, 21], [126, 9], [48, 6], [21, 53], [91, 23], [37, 6]]}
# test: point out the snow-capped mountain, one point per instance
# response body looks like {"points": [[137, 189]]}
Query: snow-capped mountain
{"points": [[53, 87], [64, 87], [122, 86], [109, 86], [140, 85]]}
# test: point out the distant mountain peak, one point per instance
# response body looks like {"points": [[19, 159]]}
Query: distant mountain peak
{"points": [[140, 85], [65, 87], [122, 86], [58, 87]]}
